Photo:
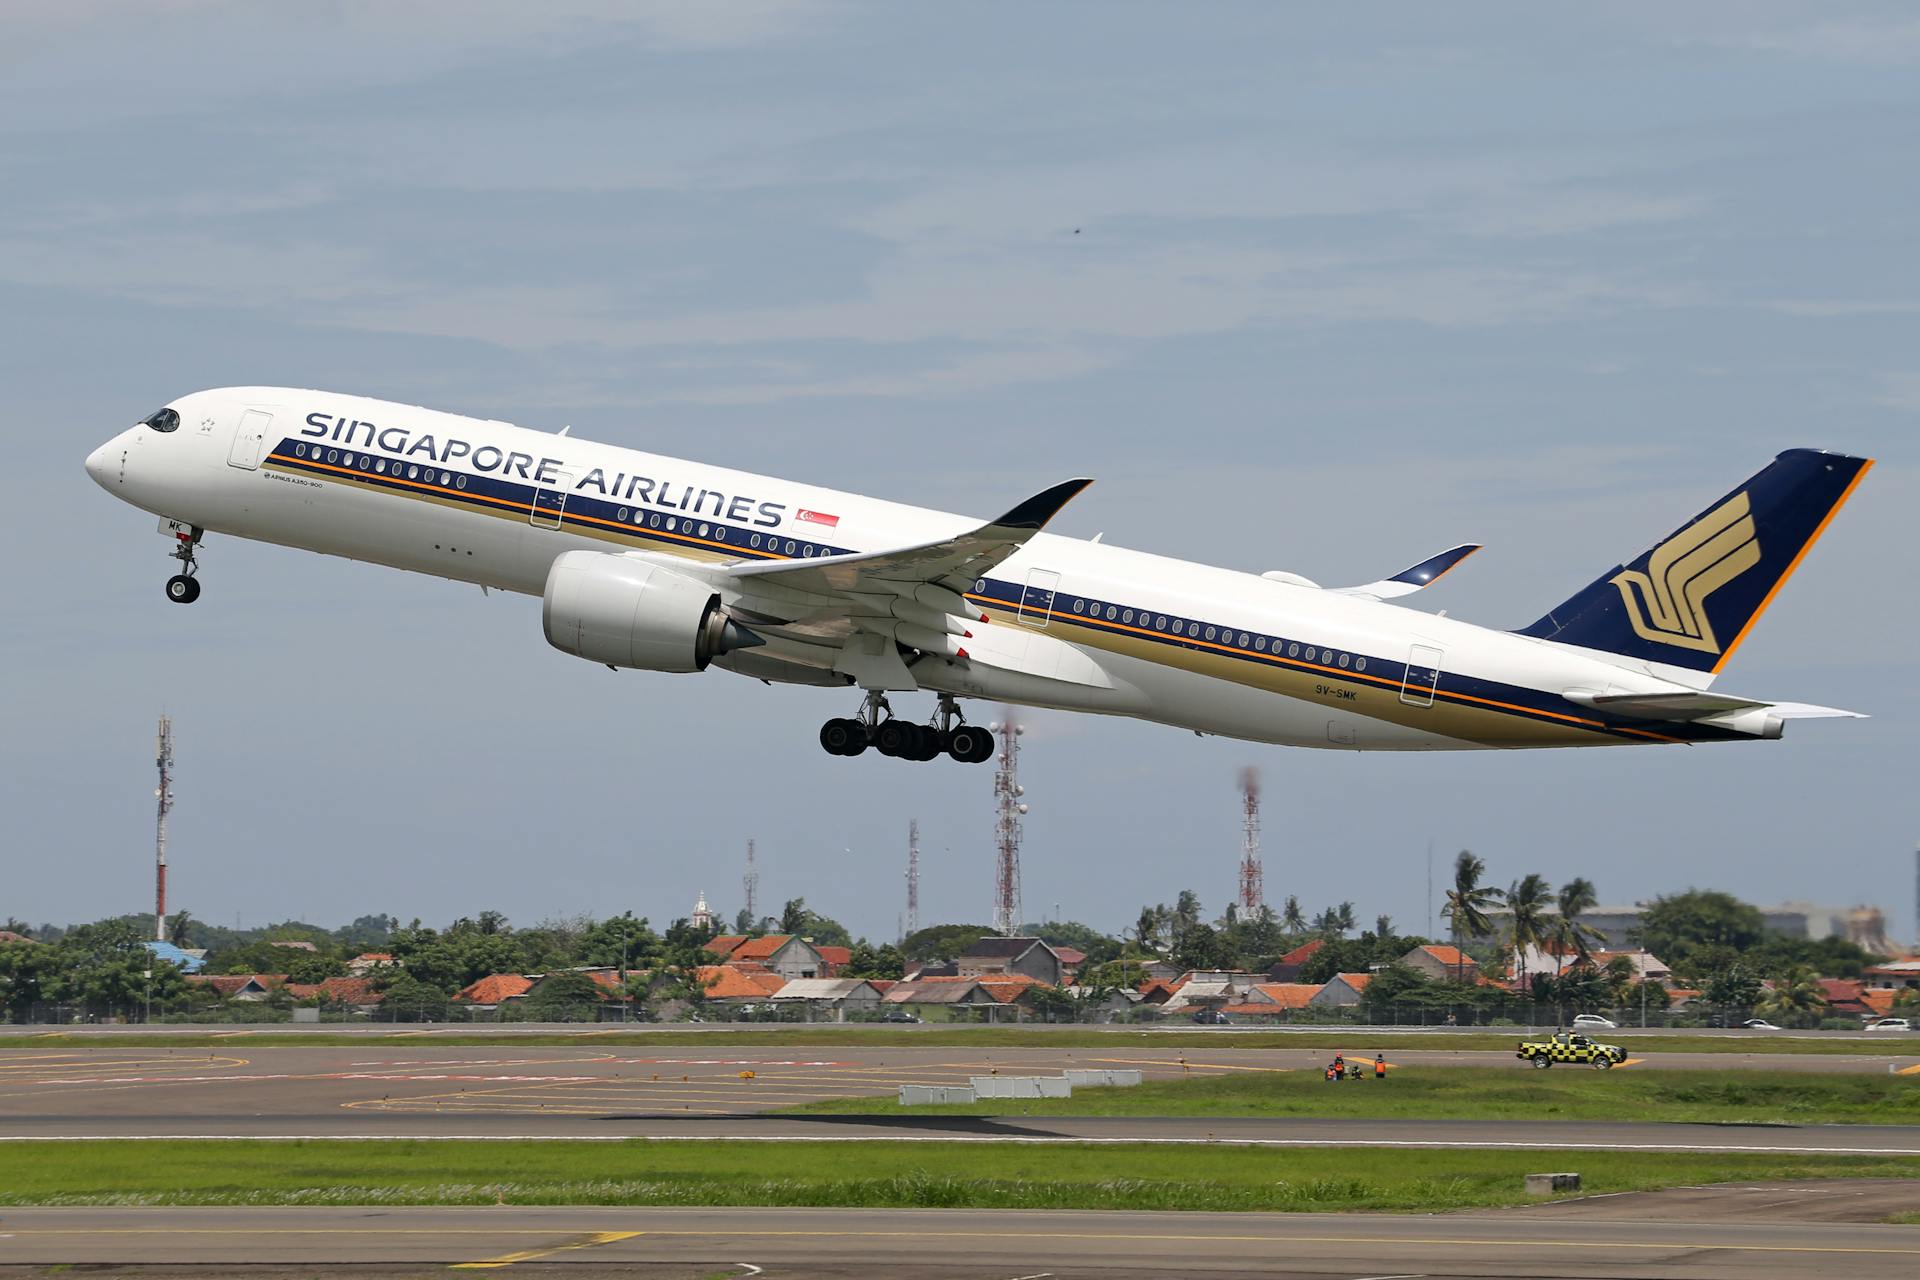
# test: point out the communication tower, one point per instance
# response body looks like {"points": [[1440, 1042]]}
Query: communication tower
{"points": [[1253, 892], [912, 923], [750, 883], [163, 753], [1008, 810]]}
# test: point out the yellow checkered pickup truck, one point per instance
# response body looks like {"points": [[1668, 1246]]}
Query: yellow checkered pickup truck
{"points": [[1568, 1046]]}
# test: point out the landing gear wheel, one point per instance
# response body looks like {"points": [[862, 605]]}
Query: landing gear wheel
{"points": [[1543, 1063], [843, 737], [896, 738], [969, 745], [183, 590]]}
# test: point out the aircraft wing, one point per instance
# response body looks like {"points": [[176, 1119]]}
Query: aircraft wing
{"points": [[1413, 578], [951, 563]]}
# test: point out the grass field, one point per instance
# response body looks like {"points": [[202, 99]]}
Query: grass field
{"points": [[857, 1174], [1348, 1040], [1477, 1093]]}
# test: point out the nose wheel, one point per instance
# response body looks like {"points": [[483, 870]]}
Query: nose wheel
{"points": [[184, 587], [877, 727]]}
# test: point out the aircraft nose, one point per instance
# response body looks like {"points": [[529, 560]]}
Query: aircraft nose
{"points": [[102, 463]]}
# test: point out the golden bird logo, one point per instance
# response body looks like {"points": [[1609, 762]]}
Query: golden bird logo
{"points": [[1667, 603]]}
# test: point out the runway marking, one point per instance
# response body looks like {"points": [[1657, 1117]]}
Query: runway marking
{"points": [[528, 1255], [1199, 1066], [610, 1237], [1913, 1070]]}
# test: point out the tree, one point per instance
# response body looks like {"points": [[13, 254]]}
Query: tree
{"points": [[793, 916], [1569, 933], [1383, 926], [941, 941], [1675, 928], [1527, 901], [406, 998], [26, 970], [180, 927], [1734, 988], [569, 996], [1186, 914], [1199, 947], [868, 961], [743, 922], [1146, 929], [622, 940], [1468, 902], [1797, 997], [1344, 918], [307, 967], [1096, 946], [1292, 918]]}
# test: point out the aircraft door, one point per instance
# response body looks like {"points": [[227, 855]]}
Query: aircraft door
{"points": [[550, 501], [1423, 676], [1036, 601], [249, 439]]}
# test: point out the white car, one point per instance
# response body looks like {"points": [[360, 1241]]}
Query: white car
{"points": [[1891, 1024], [1593, 1020], [1759, 1024]]}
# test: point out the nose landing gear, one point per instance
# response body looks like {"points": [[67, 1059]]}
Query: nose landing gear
{"points": [[903, 740], [184, 587]]}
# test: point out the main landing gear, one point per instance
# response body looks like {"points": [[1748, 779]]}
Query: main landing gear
{"points": [[951, 735], [184, 587]]}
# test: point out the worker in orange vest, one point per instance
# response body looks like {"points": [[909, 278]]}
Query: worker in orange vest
{"points": [[1379, 1066]]}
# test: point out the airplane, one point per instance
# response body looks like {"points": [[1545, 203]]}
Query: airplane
{"points": [[660, 564]]}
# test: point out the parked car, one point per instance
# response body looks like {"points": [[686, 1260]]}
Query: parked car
{"points": [[1890, 1024], [1759, 1024], [1594, 1020], [1211, 1018], [900, 1015]]}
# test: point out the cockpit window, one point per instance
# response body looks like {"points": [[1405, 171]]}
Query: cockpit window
{"points": [[164, 421]]}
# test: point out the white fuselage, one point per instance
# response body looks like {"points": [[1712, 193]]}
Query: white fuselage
{"points": [[1076, 625]]}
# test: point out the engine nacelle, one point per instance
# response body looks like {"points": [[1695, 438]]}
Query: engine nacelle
{"points": [[627, 612]]}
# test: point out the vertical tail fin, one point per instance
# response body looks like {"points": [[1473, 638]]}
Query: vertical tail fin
{"points": [[1691, 600]]}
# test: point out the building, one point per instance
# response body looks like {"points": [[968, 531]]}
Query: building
{"points": [[357, 994], [703, 917], [782, 953], [1442, 963], [730, 985], [1646, 965], [1342, 991], [250, 987], [494, 990], [1030, 956], [1284, 996], [839, 996], [183, 960], [1193, 997], [1894, 975], [1288, 968], [367, 961], [939, 999], [8, 935]]}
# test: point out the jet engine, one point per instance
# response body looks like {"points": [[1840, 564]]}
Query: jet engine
{"points": [[628, 612]]}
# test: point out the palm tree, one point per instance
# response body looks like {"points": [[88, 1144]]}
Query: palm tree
{"points": [[1798, 993], [1576, 896], [1186, 914], [1467, 902], [1146, 930], [1383, 927], [1292, 918], [1343, 916], [1527, 899]]}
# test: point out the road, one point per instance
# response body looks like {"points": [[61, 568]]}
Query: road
{"points": [[947, 1244]]}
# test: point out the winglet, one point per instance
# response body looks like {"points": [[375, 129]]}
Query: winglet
{"points": [[1412, 579], [1036, 511]]}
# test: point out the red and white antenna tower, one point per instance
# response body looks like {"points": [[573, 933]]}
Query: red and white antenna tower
{"points": [[163, 753], [913, 878], [1253, 890], [1009, 808], [750, 883]]}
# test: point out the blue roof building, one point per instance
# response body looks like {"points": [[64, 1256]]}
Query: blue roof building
{"points": [[175, 956]]}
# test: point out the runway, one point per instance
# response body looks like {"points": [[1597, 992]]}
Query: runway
{"points": [[948, 1244], [566, 1092]]}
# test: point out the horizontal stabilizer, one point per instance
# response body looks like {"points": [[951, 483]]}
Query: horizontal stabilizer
{"points": [[1690, 705], [1412, 579]]}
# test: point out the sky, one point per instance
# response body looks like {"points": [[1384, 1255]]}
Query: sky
{"points": [[1303, 288]]}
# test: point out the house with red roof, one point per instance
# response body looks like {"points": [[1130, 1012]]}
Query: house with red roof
{"points": [[494, 990], [782, 953], [251, 987], [1288, 967], [1342, 990], [367, 961], [355, 993], [1443, 963], [1283, 996]]}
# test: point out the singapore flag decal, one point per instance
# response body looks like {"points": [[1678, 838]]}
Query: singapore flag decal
{"points": [[818, 517]]}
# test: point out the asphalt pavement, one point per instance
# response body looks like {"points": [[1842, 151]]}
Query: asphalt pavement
{"points": [[943, 1244]]}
